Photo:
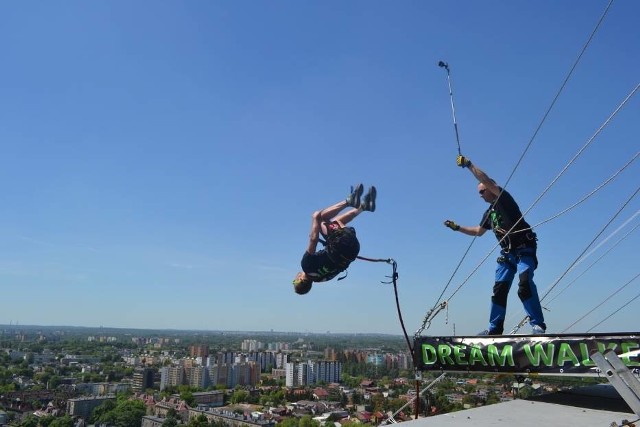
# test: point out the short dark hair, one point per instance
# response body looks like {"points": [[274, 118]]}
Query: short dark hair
{"points": [[302, 286]]}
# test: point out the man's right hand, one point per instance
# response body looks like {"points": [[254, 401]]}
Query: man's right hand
{"points": [[452, 225], [463, 162]]}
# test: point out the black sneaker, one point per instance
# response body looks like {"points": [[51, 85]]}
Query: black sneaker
{"points": [[354, 198], [369, 202], [488, 332]]}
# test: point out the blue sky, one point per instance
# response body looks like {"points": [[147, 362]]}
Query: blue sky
{"points": [[161, 160]]}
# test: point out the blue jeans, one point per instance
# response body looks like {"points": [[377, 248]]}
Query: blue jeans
{"points": [[521, 262]]}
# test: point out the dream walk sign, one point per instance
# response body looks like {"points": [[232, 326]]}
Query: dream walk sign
{"points": [[564, 354]]}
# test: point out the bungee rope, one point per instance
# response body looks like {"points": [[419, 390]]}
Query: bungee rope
{"points": [[418, 377], [394, 281]]}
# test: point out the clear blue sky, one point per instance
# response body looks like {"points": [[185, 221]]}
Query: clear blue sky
{"points": [[161, 159]]}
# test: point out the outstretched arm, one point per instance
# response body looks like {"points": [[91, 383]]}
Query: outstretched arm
{"points": [[480, 175], [314, 234], [475, 230]]}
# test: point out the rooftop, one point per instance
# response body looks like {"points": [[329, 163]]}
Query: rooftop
{"points": [[599, 405]]}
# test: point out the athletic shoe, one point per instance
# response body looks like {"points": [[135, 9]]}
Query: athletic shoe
{"points": [[354, 198], [488, 332], [537, 330], [369, 202]]}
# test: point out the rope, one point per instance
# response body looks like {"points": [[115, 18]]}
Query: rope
{"points": [[582, 149], [616, 311], [592, 241], [603, 302], [515, 329], [387, 260], [564, 83], [586, 197], [394, 280], [426, 322], [597, 260]]}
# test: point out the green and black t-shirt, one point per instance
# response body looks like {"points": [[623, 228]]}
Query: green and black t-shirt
{"points": [[501, 216]]}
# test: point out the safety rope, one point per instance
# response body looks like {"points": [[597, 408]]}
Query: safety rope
{"points": [[438, 306], [599, 258], [562, 86], [578, 154], [602, 303], [525, 319], [614, 312], [394, 281], [583, 199], [635, 193], [521, 323]]}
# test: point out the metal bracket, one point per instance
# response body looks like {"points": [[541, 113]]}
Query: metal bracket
{"points": [[624, 381]]}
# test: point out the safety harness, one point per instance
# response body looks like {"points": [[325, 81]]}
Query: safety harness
{"points": [[342, 248]]}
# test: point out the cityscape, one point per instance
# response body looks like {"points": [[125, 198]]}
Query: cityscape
{"points": [[72, 376]]}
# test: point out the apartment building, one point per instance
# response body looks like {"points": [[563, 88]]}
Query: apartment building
{"points": [[307, 373], [142, 379], [83, 406]]}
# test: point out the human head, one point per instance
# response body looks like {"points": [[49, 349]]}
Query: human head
{"points": [[302, 283], [486, 193]]}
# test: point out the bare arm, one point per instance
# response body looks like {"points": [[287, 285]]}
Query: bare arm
{"points": [[314, 234], [481, 176], [476, 230]]}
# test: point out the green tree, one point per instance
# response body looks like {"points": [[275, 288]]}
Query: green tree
{"points": [[307, 421], [395, 404], [378, 401], [170, 422], [335, 395], [29, 421], [492, 398], [273, 398], [279, 397], [127, 413], [289, 422], [106, 407], [239, 396], [46, 420], [65, 421], [266, 380], [54, 382], [199, 421], [525, 392], [442, 403], [187, 396]]}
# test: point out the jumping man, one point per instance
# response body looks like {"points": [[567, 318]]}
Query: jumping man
{"points": [[342, 246]]}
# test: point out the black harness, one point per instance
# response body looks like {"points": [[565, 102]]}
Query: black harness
{"points": [[342, 247]]}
